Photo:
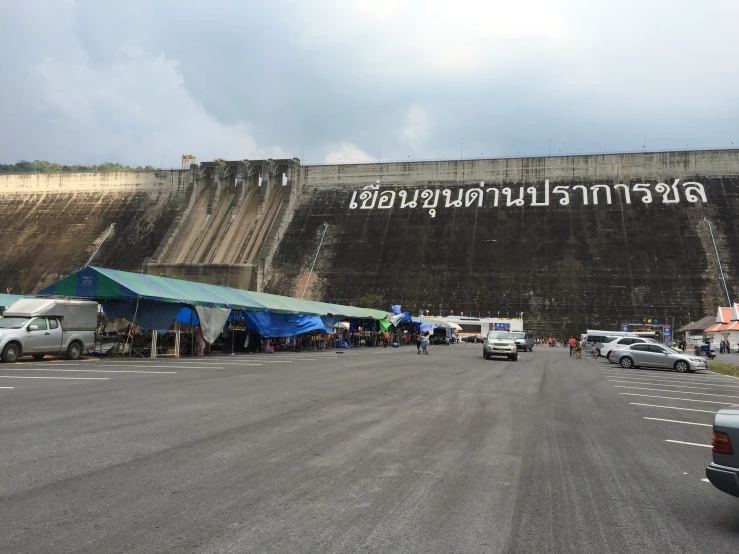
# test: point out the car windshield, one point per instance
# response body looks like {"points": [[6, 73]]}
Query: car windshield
{"points": [[13, 322], [500, 335], [519, 335]]}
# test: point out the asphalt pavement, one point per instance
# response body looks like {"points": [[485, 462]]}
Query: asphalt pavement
{"points": [[376, 450]]}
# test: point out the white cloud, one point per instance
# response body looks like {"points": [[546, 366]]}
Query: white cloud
{"points": [[415, 130], [346, 152]]}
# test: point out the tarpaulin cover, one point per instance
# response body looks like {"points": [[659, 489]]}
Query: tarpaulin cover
{"points": [[150, 315], [187, 316], [108, 284], [385, 325], [212, 321], [270, 324]]}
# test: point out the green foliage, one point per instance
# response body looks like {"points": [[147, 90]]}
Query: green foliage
{"points": [[374, 301], [722, 367], [40, 166], [164, 274], [24, 281]]}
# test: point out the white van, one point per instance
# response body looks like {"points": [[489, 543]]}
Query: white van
{"points": [[600, 337]]}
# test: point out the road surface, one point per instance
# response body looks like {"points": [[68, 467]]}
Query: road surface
{"points": [[379, 450]]}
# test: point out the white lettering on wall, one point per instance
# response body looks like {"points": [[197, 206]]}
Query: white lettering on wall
{"points": [[477, 196]]}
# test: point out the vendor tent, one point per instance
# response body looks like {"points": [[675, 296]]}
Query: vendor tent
{"points": [[155, 301]]}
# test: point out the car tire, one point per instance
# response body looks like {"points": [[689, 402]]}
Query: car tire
{"points": [[626, 362], [74, 351], [38, 357], [514, 358], [682, 366], [11, 353], [485, 355]]}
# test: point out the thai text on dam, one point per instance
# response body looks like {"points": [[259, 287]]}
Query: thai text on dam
{"points": [[479, 196]]}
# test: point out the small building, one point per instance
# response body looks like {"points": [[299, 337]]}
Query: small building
{"points": [[695, 331], [725, 327]]}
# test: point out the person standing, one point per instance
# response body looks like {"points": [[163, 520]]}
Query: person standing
{"points": [[425, 344], [200, 341], [418, 342], [573, 343]]}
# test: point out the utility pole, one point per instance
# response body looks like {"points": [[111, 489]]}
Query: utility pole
{"points": [[718, 259], [110, 230], [325, 228]]}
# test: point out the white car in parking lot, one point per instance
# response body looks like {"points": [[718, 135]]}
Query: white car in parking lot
{"points": [[656, 355], [606, 348]]}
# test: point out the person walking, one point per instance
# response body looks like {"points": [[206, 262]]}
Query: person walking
{"points": [[573, 343], [200, 341], [593, 350], [425, 344], [418, 342]]}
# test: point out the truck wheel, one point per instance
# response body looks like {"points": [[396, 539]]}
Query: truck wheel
{"points": [[11, 353], [74, 351], [38, 357]]}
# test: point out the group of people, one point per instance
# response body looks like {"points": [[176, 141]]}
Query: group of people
{"points": [[577, 347], [724, 347], [422, 342]]}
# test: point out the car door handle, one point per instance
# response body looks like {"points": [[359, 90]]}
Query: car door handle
{"points": [[47, 333]]}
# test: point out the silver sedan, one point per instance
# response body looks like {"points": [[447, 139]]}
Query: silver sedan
{"points": [[656, 355]]}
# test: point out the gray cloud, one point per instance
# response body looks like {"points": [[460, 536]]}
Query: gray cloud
{"points": [[138, 82]]}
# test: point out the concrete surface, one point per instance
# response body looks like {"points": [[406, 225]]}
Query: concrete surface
{"points": [[368, 451]]}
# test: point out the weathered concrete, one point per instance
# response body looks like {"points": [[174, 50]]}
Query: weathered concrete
{"points": [[51, 223], [567, 267], [231, 221]]}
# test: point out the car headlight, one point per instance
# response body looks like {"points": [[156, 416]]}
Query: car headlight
{"points": [[696, 360]]}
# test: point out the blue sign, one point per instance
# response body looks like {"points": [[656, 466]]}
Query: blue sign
{"points": [[667, 331], [624, 327], [502, 326]]}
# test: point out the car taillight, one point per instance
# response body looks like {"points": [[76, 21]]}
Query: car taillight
{"points": [[721, 443]]}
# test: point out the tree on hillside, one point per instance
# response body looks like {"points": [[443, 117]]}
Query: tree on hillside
{"points": [[372, 300], [40, 166]]}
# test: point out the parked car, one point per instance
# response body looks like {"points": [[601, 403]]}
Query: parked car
{"points": [[524, 340], [723, 472], [499, 343], [606, 348], [40, 326], [655, 355], [468, 338]]}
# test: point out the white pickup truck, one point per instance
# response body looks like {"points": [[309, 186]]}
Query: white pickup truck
{"points": [[40, 326]]}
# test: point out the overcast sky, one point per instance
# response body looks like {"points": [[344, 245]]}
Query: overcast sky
{"points": [[145, 81]]}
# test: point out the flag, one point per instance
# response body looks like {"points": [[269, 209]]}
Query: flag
{"points": [[395, 309]]}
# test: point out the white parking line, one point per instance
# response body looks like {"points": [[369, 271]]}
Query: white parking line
{"points": [[667, 390], [7, 387], [676, 421], [672, 377], [722, 384], [278, 361], [673, 398], [689, 443], [705, 480], [632, 382], [661, 373], [65, 378], [655, 374], [89, 370], [673, 408]]}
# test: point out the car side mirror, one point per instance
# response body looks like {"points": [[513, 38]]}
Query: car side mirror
{"points": [[33, 327]]}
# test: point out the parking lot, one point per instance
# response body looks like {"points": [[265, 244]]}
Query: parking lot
{"points": [[370, 450]]}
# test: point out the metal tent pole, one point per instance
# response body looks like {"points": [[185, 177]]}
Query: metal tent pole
{"points": [[130, 330]]}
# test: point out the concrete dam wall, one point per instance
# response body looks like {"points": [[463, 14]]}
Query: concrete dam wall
{"points": [[51, 223], [571, 241]]}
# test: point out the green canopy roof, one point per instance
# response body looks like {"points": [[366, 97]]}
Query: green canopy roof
{"points": [[7, 299], [109, 284]]}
